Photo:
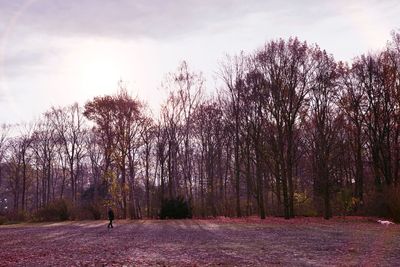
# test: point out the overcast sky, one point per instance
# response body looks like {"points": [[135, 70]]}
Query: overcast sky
{"points": [[56, 52]]}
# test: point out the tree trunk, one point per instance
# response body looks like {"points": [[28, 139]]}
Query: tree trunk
{"points": [[260, 184]]}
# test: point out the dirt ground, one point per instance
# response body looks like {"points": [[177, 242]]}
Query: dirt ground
{"points": [[217, 242]]}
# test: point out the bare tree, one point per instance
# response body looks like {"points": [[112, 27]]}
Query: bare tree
{"points": [[5, 129], [255, 102], [286, 66], [232, 73], [352, 102], [323, 116], [70, 126], [148, 136], [45, 144]]}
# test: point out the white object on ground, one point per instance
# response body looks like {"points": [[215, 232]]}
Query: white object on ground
{"points": [[385, 222]]}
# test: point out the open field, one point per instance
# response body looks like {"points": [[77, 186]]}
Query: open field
{"points": [[226, 242]]}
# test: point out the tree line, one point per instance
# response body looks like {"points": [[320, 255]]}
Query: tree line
{"points": [[289, 132]]}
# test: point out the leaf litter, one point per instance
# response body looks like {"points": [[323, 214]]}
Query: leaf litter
{"points": [[350, 241]]}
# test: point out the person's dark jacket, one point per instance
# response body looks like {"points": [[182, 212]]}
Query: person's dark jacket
{"points": [[110, 215]]}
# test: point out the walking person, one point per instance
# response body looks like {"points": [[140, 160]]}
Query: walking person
{"points": [[111, 218]]}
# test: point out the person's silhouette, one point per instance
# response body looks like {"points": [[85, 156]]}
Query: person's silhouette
{"points": [[110, 217]]}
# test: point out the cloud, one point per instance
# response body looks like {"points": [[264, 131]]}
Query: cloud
{"points": [[160, 19], [35, 34], [156, 19], [35, 27], [122, 19]]}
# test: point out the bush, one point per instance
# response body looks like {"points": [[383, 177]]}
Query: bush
{"points": [[384, 203], [176, 208], [346, 202], [94, 210], [56, 211], [3, 220], [393, 203], [304, 205], [14, 217]]}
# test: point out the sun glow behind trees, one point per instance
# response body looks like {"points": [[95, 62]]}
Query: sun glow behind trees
{"points": [[95, 67]]}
